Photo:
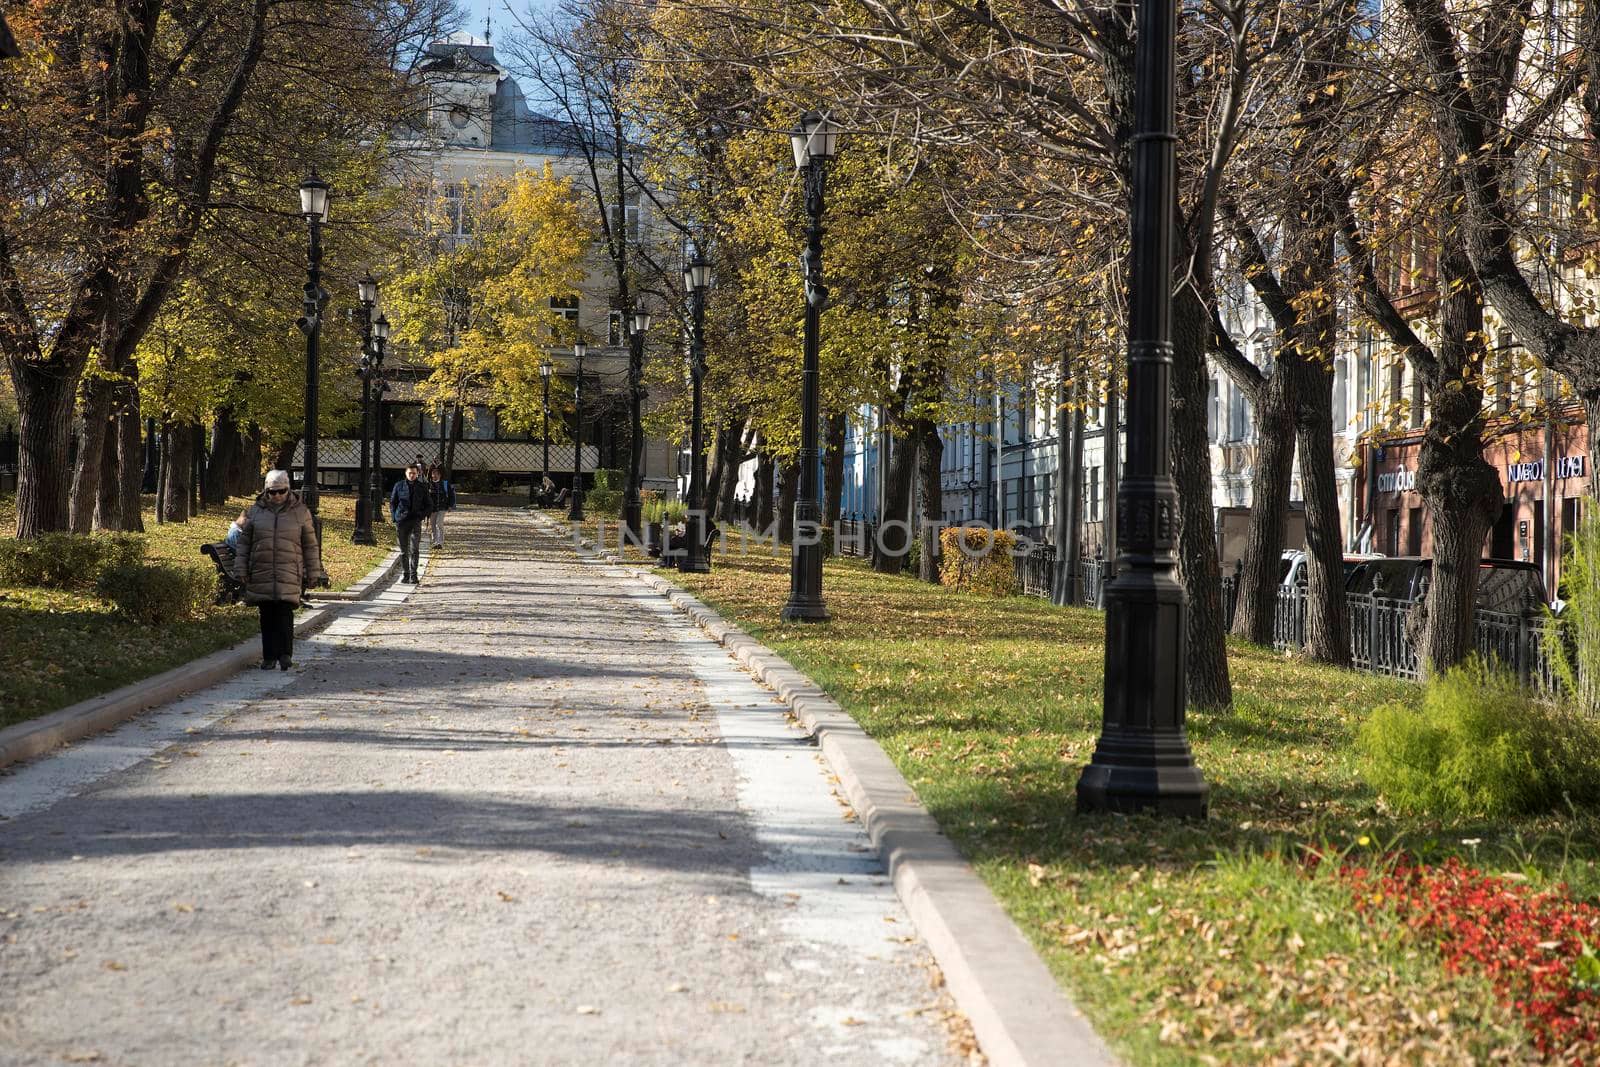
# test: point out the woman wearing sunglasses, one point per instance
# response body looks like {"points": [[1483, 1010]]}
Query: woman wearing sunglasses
{"points": [[277, 559]]}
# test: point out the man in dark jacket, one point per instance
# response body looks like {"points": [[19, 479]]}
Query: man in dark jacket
{"points": [[409, 505]]}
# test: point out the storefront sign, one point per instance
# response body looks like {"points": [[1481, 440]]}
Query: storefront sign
{"points": [[1397, 481], [1566, 467]]}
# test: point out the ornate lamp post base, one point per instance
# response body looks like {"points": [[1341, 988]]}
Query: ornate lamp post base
{"points": [[363, 534]]}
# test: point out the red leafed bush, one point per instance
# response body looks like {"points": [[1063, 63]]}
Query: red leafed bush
{"points": [[1537, 947]]}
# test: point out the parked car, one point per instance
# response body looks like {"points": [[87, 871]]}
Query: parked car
{"points": [[1292, 572], [1503, 584]]}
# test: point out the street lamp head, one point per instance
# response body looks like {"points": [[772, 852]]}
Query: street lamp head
{"points": [[579, 350], [380, 327], [367, 287], [546, 369], [641, 320], [697, 274], [815, 137], [314, 198]]}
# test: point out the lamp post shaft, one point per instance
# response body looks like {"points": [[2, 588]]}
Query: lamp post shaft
{"points": [[698, 557], [377, 443], [575, 512], [632, 501], [363, 531], [1142, 760], [805, 562], [313, 309], [544, 467]]}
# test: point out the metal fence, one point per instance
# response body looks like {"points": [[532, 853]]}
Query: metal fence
{"points": [[1382, 630]]}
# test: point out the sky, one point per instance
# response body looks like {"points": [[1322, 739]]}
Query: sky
{"points": [[473, 12]]}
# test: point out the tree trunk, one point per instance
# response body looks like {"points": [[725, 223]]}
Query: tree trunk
{"points": [[161, 471], [178, 467], [283, 458], [833, 472], [1274, 405], [225, 447], [108, 501], [245, 478], [44, 408], [1069, 488], [1459, 488], [892, 547], [197, 466], [766, 474], [1327, 622], [134, 453], [788, 492], [1206, 667], [450, 448], [930, 464], [731, 447], [90, 462]]}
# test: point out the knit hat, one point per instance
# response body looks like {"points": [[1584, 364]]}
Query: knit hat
{"points": [[277, 480]]}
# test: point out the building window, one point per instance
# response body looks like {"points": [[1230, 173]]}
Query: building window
{"points": [[614, 330], [1419, 402], [1414, 532], [1093, 495], [1213, 403], [404, 420], [567, 308], [477, 424]]}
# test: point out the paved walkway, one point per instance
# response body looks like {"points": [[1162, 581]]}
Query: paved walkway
{"points": [[529, 815]]}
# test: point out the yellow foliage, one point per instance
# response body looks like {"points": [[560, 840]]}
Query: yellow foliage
{"points": [[979, 559]]}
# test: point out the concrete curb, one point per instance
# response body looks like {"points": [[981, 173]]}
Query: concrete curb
{"points": [[1017, 1009], [376, 580], [26, 740]]}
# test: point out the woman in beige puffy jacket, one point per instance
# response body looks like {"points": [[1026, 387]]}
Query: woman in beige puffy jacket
{"points": [[277, 559]]}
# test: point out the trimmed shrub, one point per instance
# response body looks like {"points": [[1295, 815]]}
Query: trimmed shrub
{"points": [[67, 561], [158, 594], [1480, 746], [978, 559]]}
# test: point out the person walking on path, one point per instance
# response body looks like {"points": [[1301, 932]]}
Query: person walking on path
{"points": [[410, 503], [442, 495], [278, 559]]}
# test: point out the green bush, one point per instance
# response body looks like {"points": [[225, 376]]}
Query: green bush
{"points": [[67, 561], [1480, 746], [158, 594], [1573, 638]]}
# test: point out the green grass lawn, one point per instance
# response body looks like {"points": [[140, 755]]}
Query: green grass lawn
{"points": [[57, 648], [1185, 943]]}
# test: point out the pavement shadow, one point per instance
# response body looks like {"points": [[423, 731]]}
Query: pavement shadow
{"points": [[115, 824]]}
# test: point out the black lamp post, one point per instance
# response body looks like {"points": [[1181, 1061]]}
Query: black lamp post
{"points": [[367, 288], [457, 312], [314, 209], [575, 512], [632, 503], [697, 281], [815, 140], [380, 385], [1142, 761], [545, 370]]}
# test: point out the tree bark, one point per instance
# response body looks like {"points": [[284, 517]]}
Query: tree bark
{"points": [[1069, 488], [733, 459], [1459, 488], [1327, 623], [766, 475], [44, 410], [132, 455], [833, 472], [90, 461], [1274, 404], [1206, 667], [930, 462], [108, 501], [891, 547], [788, 492], [245, 478], [225, 449], [178, 469], [283, 458]]}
